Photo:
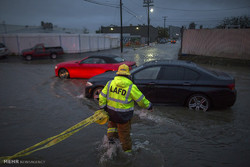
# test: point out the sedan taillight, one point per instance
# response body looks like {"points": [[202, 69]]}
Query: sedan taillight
{"points": [[231, 86]]}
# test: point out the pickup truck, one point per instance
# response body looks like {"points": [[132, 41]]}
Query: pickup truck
{"points": [[40, 50]]}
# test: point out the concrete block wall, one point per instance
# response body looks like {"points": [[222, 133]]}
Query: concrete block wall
{"points": [[71, 43]]}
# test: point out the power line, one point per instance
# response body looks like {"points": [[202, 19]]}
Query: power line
{"points": [[132, 13], [115, 6], [190, 19], [139, 18], [103, 4], [204, 10], [126, 9]]}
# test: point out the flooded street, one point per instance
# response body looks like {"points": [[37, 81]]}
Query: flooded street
{"points": [[35, 105]]}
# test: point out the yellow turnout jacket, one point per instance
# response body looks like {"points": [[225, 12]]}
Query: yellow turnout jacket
{"points": [[118, 97]]}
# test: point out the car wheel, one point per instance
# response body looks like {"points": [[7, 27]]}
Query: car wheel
{"points": [[28, 57], [53, 56], [63, 73], [96, 93], [198, 102]]}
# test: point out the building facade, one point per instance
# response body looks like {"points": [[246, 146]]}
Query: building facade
{"points": [[174, 32], [14, 29], [139, 32]]}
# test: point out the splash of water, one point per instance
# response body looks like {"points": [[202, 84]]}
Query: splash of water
{"points": [[112, 154], [108, 151], [146, 115], [81, 96], [141, 145]]}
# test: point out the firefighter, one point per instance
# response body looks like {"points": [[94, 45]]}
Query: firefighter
{"points": [[117, 98]]}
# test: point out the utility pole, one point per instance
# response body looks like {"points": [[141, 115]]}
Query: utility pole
{"points": [[164, 17], [148, 3], [121, 43]]}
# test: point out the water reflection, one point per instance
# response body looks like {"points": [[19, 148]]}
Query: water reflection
{"points": [[194, 118], [137, 59], [72, 87], [149, 57]]}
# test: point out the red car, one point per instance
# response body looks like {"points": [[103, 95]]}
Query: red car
{"points": [[90, 66]]}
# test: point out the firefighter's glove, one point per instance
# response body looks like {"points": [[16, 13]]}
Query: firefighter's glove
{"points": [[150, 108]]}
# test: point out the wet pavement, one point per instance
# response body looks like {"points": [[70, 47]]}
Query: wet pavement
{"points": [[35, 105]]}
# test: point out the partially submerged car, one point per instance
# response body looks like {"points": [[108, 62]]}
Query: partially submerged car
{"points": [[174, 82], [90, 66]]}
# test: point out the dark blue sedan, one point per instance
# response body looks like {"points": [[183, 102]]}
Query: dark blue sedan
{"points": [[174, 82]]}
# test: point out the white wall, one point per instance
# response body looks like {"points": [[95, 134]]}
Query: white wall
{"points": [[71, 43], [228, 43]]}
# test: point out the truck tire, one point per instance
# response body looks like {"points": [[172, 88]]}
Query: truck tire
{"points": [[53, 56], [28, 57]]}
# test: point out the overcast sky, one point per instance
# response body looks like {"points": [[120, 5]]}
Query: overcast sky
{"points": [[81, 13]]}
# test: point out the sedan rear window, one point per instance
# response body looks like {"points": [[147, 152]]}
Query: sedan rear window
{"points": [[148, 73], [191, 75], [177, 73], [172, 73]]}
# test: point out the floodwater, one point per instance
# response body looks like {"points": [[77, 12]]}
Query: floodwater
{"points": [[35, 105]]}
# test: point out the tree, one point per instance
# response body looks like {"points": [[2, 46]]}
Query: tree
{"points": [[163, 33], [46, 25], [236, 22], [192, 25], [85, 30], [99, 31]]}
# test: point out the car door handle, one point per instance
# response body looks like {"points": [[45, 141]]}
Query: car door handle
{"points": [[151, 83], [187, 83]]}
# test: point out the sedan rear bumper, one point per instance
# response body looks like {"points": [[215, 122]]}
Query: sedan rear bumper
{"points": [[224, 100]]}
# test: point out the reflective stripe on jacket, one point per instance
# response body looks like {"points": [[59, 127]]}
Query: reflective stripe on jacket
{"points": [[118, 97]]}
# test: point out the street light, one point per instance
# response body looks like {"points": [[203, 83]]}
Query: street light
{"points": [[151, 10]]}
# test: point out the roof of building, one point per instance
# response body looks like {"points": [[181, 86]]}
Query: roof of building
{"points": [[13, 29]]}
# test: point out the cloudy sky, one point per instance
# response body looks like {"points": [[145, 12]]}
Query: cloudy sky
{"points": [[92, 14]]}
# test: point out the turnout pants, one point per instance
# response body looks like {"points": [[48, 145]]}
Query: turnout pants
{"points": [[121, 132]]}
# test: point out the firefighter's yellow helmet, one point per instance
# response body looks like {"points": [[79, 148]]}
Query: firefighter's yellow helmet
{"points": [[123, 70]]}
